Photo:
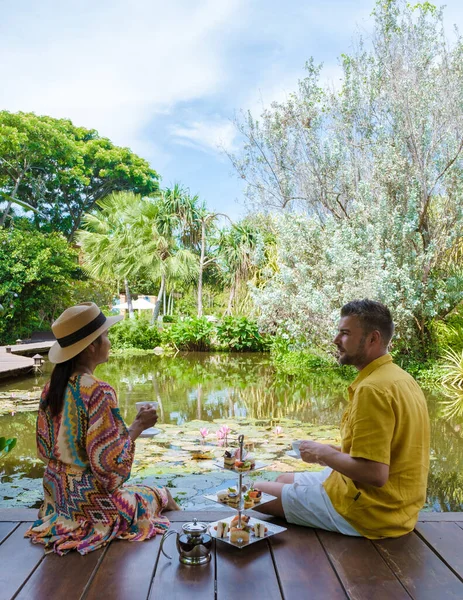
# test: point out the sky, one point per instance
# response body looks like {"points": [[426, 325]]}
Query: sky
{"points": [[167, 79]]}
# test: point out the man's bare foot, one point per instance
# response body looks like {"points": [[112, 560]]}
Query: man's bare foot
{"points": [[171, 504]]}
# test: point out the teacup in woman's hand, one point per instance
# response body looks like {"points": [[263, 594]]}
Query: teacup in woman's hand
{"points": [[147, 404], [296, 449]]}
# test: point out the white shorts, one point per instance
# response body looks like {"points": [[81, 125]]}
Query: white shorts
{"points": [[305, 502]]}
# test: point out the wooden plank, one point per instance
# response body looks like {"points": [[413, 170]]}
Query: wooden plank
{"points": [[440, 516], [126, 571], [60, 577], [18, 559], [361, 569], [446, 540], [304, 571], [176, 581], [419, 569], [18, 514], [247, 573], [6, 529]]}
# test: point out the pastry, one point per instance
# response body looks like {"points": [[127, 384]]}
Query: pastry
{"points": [[233, 499], [228, 460], [243, 465], [239, 535], [255, 495], [248, 502], [244, 520], [222, 496]]}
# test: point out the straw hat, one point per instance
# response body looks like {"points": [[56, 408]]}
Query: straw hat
{"points": [[76, 329]]}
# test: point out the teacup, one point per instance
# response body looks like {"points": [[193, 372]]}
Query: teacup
{"points": [[295, 446], [148, 404]]}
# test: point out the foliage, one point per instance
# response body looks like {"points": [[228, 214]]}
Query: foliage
{"points": [[36, 273], [375, 170], [7, 445], [191, 334], [62, 170], [168, 319], [134, 333], [240, 334], [452, 382]]}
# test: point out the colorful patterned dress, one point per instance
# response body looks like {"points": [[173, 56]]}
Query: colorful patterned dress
{"points": [[89, 455]]}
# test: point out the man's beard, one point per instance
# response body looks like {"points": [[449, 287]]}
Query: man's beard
{"points": [[358, 358]]}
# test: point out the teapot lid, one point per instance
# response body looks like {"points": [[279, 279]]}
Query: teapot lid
{"points": [[194, 528]]}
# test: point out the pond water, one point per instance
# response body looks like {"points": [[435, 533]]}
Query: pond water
{"points": [[241, 390]]}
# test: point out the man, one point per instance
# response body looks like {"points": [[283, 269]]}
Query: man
{"points": [[375, 484]]}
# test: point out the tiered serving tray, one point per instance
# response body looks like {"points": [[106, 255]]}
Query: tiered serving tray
{"points": [[272, 530]]}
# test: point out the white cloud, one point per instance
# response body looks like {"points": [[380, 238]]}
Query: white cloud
{"points": [[215, 134]]}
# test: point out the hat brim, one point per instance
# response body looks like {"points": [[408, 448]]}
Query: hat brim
{"points": [[58, 355]]}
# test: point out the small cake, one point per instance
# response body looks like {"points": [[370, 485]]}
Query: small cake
{"points": [[255, 495], [248, 502], [222, 529], [243, 465], [260, 530], [228, 460], [233, 499], [222, 496], [239, 535]]}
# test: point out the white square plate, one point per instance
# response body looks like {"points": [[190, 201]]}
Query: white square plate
{"points": [[259, 465], [265, 498], [272, 530]]}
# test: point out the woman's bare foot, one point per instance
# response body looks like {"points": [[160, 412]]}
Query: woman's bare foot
{"points": [[171, 504]]}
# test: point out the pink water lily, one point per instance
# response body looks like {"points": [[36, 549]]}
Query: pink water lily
{"points": [[204, 432], [278, 430], [225, 429]]}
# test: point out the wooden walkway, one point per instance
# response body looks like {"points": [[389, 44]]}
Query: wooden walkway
{"points": [[299, 564], [18, 361]]}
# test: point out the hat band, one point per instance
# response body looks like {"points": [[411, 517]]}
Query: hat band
{"points": [[83, 332]]}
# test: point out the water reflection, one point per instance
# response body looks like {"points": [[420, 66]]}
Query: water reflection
{"points": [[224, 386]]}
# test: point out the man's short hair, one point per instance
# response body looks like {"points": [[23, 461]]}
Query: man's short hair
{"points": [[372, 315]]}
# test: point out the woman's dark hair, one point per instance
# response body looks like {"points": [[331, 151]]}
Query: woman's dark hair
{"points": [[372, 316], [59, 379]]}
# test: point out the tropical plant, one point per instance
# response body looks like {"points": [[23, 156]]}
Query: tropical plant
{"points": [[134, 333], [191, 334], [240, 334], [62, 170], [452, 382]]}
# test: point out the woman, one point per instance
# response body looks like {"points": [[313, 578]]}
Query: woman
{"points": [[88, 449]]}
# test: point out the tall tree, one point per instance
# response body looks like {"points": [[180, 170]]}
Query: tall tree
{"points": [[376, 167], [62, 170]]}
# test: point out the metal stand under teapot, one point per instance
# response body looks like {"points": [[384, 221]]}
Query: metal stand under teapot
{"points": [[193, 545]]}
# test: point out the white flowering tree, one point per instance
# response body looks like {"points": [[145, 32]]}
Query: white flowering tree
{"points": [[374, 171]]}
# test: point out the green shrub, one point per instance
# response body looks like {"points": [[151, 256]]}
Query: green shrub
{"points": [[168, 319], [191, 334], [134, 333], [240, 334]]}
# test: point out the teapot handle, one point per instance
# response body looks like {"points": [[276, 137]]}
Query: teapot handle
{"points": [[164, 537]]}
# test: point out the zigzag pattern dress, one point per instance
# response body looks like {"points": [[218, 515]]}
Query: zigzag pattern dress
{"points": [[89, 455]]}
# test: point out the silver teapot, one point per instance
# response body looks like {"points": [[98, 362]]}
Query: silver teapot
{"points": [[193, 544]]}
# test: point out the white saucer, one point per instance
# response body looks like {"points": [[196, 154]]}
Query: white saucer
{"points": [[150, 432], [292, 454]]}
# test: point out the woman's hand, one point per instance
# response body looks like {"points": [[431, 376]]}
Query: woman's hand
{"points": [[146, 417]]}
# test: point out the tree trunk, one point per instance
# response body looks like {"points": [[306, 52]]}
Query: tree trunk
{"points": [[157, 306], [8, 206], [164, 307], [231, 298], [128, 299], [201, 268]]}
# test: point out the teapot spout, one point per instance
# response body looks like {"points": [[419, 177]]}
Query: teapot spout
{"points": [[164, 537]]}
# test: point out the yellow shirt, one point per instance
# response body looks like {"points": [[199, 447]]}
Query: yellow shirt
{"points": [[386, 421]]}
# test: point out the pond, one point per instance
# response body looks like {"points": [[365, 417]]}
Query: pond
{"points": [[242, 391]]}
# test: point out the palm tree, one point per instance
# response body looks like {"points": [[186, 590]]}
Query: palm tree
{"points": [[108, 241], [236, 247]]}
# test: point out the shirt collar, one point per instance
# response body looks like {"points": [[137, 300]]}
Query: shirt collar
{"points": [[368, 370]]}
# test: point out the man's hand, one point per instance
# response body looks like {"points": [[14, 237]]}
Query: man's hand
{"points": [[311, 452]]}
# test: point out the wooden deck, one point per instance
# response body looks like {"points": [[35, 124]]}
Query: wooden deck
{"points": [[299, 564], [18, 361]]}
